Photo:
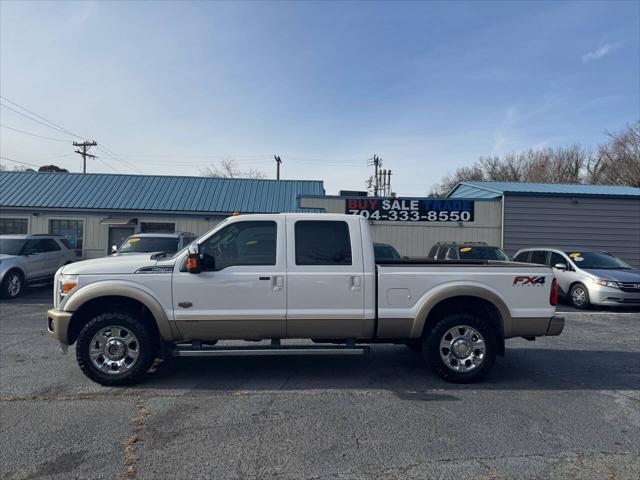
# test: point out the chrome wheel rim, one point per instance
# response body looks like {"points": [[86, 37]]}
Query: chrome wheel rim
{"points": [[114, 350], [579, 296], [462, 349], [14, 285]]}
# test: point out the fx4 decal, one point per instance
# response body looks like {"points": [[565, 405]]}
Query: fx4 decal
{"points": [[519, 281]]}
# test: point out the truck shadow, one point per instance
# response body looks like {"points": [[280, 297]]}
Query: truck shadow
{"points": [[396, 369]]}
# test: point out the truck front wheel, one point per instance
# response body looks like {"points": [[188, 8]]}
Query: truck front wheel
{"points": [[115, 349], [461, 348]]}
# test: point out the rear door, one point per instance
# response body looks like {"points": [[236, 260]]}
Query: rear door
{"points": [[325, 278], [53, 258]]}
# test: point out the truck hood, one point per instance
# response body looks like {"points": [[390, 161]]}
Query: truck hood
{"points": [[615, 275], [110, 265]]}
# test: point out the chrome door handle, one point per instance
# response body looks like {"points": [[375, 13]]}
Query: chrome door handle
{"points": [[278, 283], [355, 282]]}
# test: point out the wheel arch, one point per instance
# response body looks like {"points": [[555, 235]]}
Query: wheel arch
{"points": [[96, 298], [469, 299]]}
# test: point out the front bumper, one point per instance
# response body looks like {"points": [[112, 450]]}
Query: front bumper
{"points": [[556, 325], [58, 325], [612, 296]]}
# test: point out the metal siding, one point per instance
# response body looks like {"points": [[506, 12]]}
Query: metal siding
{"points": [[611, 224], [146, 192]]}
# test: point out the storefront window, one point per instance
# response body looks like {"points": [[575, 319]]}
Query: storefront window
{"points": [[14, 226], [70, 229], [157, 227]]}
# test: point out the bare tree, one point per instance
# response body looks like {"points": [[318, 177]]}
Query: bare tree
{"points": [[615, 162], [227, 168]]}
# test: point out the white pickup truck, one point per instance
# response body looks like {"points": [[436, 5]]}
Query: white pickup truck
{"points": [[294, 276]]}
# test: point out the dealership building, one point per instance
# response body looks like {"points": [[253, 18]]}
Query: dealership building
{"points": [[98, 210]]}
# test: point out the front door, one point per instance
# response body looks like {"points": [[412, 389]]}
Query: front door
{"points": [[325, 278], [244, 295], [36, 258], [117, 236]]}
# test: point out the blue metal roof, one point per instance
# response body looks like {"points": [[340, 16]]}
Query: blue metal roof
{"points": [[99, 191], [496, 189]]}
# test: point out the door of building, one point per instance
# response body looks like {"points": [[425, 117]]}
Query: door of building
{"points": [[117, 236]]}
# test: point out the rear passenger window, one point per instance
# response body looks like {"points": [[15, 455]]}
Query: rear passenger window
{"points": [[539, 256], [321, 242], [452, 254], [66, 243], [522, 257], [50, 245]]}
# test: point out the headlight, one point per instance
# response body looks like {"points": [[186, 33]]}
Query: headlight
{"points": [[605, 283], [66, 283]]}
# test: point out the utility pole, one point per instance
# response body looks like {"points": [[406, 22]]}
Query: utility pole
{"points": [[278, 162], [84, 152], [377, 163]]}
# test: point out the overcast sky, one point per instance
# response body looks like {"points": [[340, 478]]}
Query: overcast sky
{"points": [[428, 86]]}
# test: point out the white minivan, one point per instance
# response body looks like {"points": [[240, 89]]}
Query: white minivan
{"points": [[588, 277]]}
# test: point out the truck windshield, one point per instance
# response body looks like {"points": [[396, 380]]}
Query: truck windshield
{"points": [[482, 253], [597, 260], [149, 244], [10, 246]]}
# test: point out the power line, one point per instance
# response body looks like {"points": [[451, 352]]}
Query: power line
{"points": [[113, 155], [51, 124], [18, 161], [34, 134]]}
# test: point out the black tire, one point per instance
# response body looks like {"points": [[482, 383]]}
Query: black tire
{"points": [[431, 349], [145, 343], [9, 283], [579, 297]]}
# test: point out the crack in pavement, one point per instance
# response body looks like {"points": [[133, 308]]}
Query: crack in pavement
{"points": [[131, 453]]}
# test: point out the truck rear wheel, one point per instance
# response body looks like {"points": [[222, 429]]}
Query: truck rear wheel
{"points": [[461, 348], [115, 349]]}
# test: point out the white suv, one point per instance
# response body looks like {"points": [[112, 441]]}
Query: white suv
{"points": [[588, 277]]}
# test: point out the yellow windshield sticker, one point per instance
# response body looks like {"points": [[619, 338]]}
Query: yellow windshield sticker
{"points": [[252, 242], [465, 249], [574, 255], [133, 240]]}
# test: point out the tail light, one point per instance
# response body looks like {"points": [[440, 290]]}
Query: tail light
{"points": [[553, 296]]}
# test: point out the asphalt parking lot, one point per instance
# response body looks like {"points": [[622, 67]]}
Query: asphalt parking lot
{"points": [[559, 407]]}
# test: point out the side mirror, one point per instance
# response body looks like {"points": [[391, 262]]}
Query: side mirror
{"points": [[560, 266], [193, 260]]}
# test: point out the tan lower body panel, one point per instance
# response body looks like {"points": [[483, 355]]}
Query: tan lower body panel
{"points": [[395, 327], [230, 329], [529, 326], [327, 328]]}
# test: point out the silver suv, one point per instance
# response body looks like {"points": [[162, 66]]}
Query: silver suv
{"points": [[30, 259], [588, 277]]}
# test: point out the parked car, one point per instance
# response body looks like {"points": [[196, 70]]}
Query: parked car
{"points": [[292, 276], [466, 251], [588, 277], [154, 242], [29, 259], [384, 251]]}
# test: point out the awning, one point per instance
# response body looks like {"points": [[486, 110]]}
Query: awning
{"points": [[119, 221]]}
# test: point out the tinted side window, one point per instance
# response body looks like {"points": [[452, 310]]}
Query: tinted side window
{"points": [[452, 254], [557, 258], [320, 242], [539, 256], [66, 243], [522, 257], [243, 243], [442, 251], [33, 246], [433, 251], [50, 245]]}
